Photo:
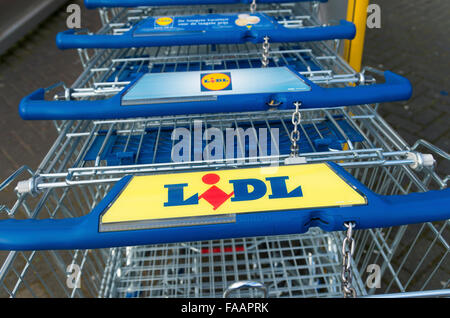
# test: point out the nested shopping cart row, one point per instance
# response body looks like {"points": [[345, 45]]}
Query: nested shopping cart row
{"points": [[177, 126], [181, 87], [170, 270]]}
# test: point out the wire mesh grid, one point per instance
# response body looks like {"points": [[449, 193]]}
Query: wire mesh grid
{"points": [[290, 266], [94, 152]]}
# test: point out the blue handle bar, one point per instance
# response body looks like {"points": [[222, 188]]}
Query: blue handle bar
{"points": [[70, 40], [92, 4], [396, 87], [83, 232]]}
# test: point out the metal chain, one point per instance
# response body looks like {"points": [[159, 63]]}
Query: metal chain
{"points": [[265, 54], [253, 6], [295, 133], [348, 248]]}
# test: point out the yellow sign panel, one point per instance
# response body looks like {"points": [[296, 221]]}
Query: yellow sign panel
{"points": [[218, 192]]}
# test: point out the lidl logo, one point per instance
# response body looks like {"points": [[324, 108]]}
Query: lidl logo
{"points": [[164, 21], [247, 189], [232, 191], [215, 82]]}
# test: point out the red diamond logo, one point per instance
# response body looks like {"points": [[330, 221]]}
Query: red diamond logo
{"points": [[214, 195]]}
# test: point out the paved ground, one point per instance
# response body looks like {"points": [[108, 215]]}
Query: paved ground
{"points": [[413, 41], [19, 17], [33, 63]]}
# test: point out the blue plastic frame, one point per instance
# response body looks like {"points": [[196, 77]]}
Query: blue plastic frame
{"points": [[395, 88], [93, 4], [83, 232], [70, 40]]}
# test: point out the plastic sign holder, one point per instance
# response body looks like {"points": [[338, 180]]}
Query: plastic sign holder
{"points": [[218, 204], [227, 28], [197, 92]]}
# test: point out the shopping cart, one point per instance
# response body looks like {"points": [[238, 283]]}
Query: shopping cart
{"points": [[143, 27], [306, 14], [280, 84], [89, 157], [300, 265]]}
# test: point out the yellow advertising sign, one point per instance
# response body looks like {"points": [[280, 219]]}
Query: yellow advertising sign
{"points": [[219, 192]]}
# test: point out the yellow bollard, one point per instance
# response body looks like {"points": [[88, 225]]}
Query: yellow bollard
{"points": [[353, 49]]}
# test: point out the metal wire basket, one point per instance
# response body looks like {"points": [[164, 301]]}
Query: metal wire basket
{"points": [[298, 265]]}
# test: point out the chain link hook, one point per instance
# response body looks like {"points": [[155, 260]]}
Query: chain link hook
{"points": [[253, 6], [348, 249]]}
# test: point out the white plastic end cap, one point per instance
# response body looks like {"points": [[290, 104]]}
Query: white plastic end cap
{"points": [[24, 186]]}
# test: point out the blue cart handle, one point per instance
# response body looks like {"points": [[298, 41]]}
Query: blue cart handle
{"points": [[83, 232], [71, 40], [395, 88], [93, 4]]}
